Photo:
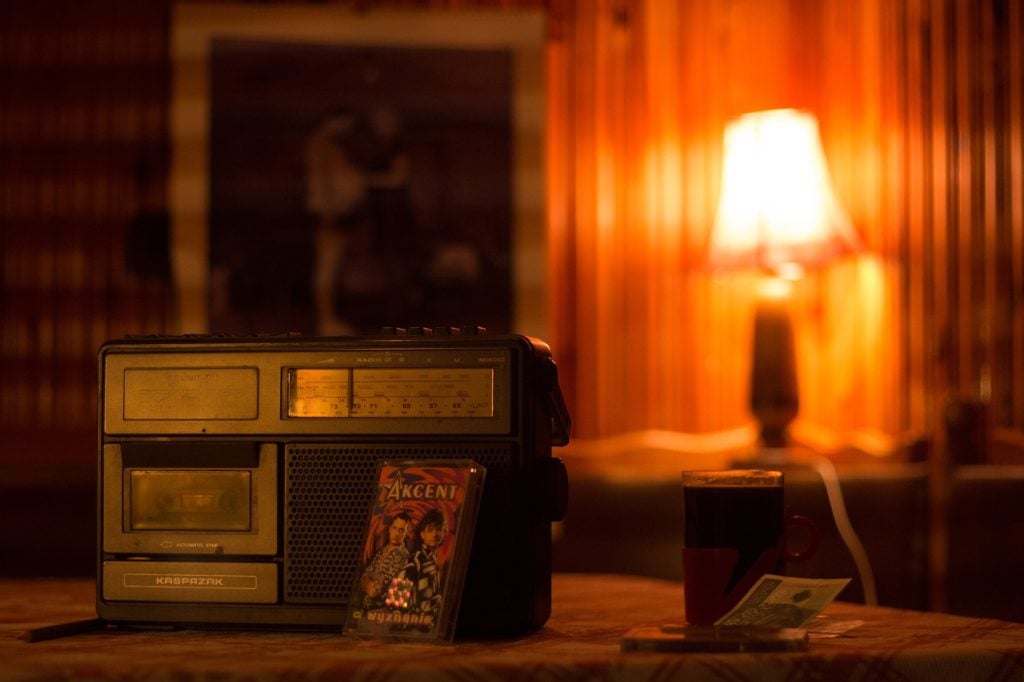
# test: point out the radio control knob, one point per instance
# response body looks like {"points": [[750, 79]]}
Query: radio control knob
{"points": [[437, 330]]}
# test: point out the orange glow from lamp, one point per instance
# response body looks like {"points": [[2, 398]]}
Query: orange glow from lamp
{"points": [[777, 213]]}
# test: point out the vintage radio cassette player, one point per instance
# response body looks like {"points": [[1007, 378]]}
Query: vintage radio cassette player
{"points": [[235, 474]]}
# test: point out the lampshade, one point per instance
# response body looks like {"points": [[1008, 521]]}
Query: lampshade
{"points": [[777, 209]]}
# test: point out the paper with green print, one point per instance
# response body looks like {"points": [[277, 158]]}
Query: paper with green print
{"points": [[776, 601]]}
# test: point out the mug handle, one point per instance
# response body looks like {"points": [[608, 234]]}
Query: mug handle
{"points": [[814, 538]]}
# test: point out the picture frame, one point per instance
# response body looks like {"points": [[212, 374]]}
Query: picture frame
{"points": [[466, 88]]}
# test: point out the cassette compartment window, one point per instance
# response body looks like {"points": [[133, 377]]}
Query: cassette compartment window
{"points": [[194, 500], [391, 392]]}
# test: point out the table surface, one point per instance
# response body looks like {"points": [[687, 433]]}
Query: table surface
{"points": [[582, 639]]}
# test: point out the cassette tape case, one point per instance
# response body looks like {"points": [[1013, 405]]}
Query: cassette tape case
{"points": [[418, 541]]}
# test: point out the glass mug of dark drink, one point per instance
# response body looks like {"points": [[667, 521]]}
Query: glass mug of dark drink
{"points": [[737, 528]]}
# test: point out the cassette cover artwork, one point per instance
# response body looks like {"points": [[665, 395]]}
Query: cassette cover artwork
{"points": [[418, 541]]}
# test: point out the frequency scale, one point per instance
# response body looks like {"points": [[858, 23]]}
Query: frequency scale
{"points": [[395, 392]]}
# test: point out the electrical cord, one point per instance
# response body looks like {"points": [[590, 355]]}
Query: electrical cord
{"points": [[830, 478]]}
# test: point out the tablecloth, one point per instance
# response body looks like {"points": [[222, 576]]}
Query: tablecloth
{"points": [[581, 641]]}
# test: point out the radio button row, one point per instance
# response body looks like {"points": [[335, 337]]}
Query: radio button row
{"points": [[439, 330]]}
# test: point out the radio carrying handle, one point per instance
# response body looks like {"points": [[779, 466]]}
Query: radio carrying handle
{"points": [[561, 422]]}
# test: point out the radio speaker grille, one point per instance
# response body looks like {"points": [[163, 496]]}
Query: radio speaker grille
{"points": [[328, 488]]}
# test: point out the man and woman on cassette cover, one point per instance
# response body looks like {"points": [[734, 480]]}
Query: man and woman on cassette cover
{"points": [[421, 577], [412, 579], [400, 579]]}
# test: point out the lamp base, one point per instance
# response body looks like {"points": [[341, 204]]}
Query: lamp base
{"points": [[774, 432], [774, 396]]}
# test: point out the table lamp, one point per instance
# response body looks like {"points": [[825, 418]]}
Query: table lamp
{"points": [[777, 214]]}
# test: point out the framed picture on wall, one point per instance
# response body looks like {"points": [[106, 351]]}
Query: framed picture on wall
{"points": [[338, 170]]}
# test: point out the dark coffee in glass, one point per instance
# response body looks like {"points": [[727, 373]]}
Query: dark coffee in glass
{"points": [[742, 510], [736, 526]]}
